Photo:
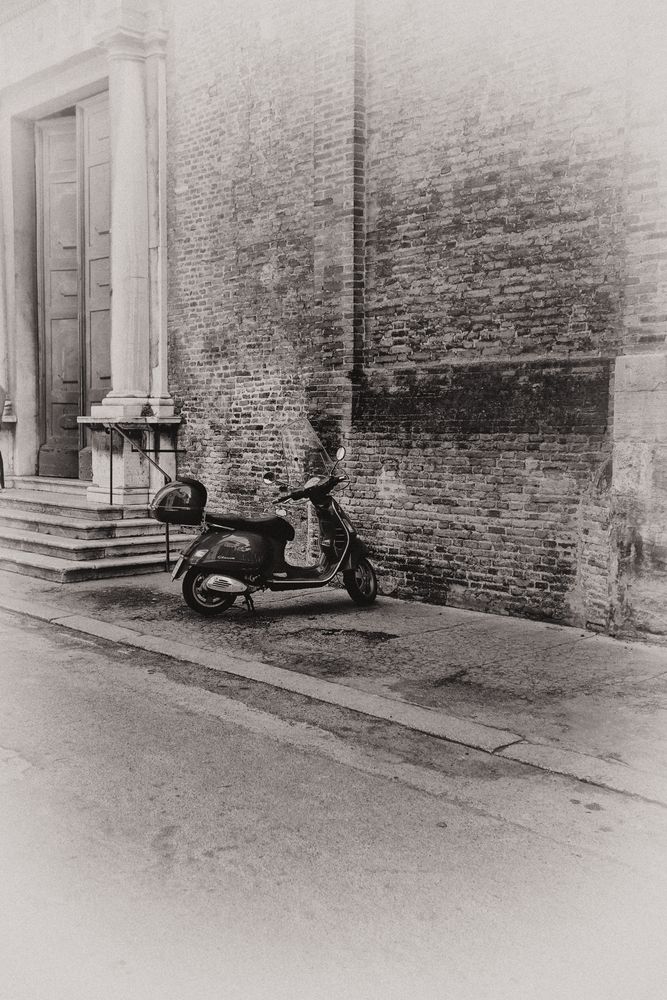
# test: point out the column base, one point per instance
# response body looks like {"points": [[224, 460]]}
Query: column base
{"points": [[161, 407], [123, 496]]}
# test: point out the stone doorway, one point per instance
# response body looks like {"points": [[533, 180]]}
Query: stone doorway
{"points": [[73, 280]]}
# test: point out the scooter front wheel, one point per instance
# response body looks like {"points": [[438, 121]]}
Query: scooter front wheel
{"points": [[203, 601], [361, 583]]}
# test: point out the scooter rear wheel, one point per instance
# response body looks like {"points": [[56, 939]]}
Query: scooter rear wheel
{"points": [[203, 601], [361, 583]]}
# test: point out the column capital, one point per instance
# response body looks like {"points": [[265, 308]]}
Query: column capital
{"points": [[133, 29], [123, 42], [155, 41]]}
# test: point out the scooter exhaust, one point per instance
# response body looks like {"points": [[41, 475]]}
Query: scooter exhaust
{"points": [[224, 584]]}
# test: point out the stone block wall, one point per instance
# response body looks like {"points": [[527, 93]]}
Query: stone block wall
{"points": [[639, 486]]}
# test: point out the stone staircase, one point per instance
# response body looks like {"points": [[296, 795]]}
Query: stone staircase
{"points": [[49, 530]]}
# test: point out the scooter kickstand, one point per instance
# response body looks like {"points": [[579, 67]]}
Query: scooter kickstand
{"points": [[249, 603]]}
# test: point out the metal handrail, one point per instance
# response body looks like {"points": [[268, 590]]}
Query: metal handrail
{"points": [[167, 479]]}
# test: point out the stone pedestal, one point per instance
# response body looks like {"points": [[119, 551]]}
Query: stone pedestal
{"points": [[122, 474]]}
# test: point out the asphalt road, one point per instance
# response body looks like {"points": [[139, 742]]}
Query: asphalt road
{"points": [[164, 841]]}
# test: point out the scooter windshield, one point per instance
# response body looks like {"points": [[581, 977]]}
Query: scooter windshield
{"points": [[304, 453]]}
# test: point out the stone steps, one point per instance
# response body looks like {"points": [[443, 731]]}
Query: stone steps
{"points": [[88, 548], [46, 484], [49, 530], [66, 505], [70, 571], [71, 527]]}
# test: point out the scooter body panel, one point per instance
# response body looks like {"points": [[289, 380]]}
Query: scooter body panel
{"points": [[240, 554]]}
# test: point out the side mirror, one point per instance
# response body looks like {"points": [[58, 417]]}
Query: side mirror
{"points": [[269, 477], [340, 454]]}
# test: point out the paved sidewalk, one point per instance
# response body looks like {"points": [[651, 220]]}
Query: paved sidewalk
{"points": [[561, 699]]}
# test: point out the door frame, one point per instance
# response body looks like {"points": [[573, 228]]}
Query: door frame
{"points": [[129, 52], [20, 108], [43, 335], [84, 202]]}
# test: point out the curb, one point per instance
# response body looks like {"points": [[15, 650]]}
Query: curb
{"points": [[476, 736]]}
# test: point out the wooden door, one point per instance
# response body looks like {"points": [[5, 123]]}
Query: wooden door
{"points": [[58, 293], [73, 220], [93, 120]]}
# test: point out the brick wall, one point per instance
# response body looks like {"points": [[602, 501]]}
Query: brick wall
{"points": [[495, 255], [481, 476], [241, 235], [411, 219], [495, 180], [262, 230]]}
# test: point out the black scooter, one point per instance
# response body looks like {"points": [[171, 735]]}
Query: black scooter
{"points": [[237, 556]]}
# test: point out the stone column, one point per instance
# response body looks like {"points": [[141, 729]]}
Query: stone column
{"points": [[130, 373], [156, 91], [139, 379]]}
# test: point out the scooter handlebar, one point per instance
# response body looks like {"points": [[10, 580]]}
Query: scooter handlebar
{"points": [[293, 495], [303, 492]]}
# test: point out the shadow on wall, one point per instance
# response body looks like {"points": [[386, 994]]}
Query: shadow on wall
{"points": [[487, 486]]}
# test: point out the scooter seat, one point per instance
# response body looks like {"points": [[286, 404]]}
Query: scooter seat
{"points": [[271, 526]]}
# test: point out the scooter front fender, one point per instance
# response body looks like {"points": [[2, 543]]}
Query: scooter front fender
{"points": [[356, 552]]}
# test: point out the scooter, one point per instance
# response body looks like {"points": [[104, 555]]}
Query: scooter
{"points": [[236, 556]]}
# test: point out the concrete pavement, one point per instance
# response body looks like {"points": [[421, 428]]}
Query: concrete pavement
{"points": [[560, 699], [162, 840]]}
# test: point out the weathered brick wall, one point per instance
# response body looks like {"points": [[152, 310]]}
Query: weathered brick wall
{"points": [[480, 477], [241, 230], [261, 106], [495, 181], [495, 253], [430, 204]]}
